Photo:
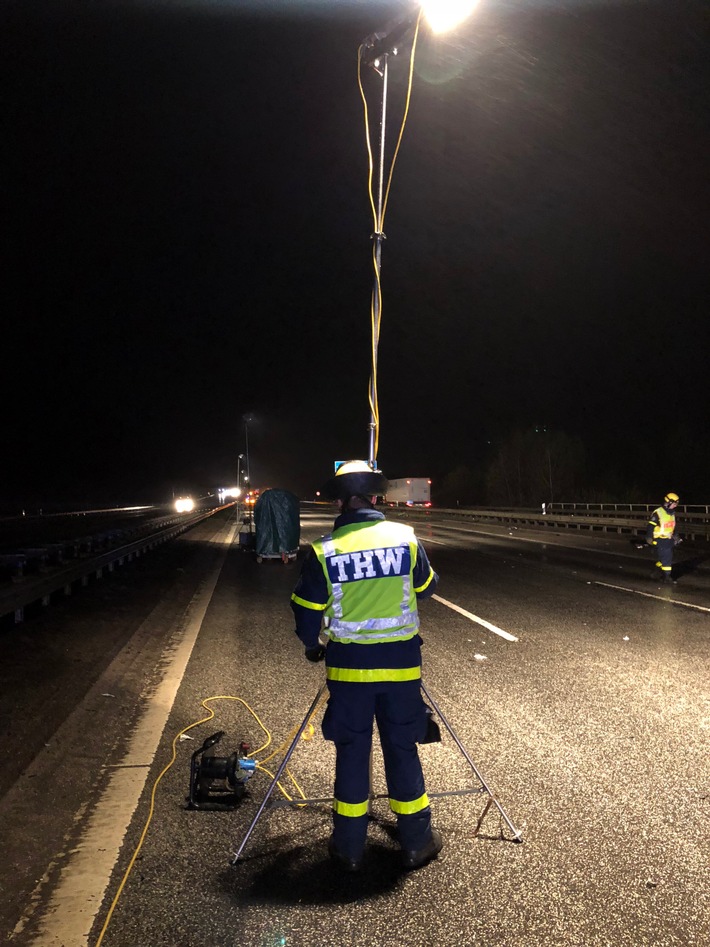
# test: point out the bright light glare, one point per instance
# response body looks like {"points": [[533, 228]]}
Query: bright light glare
{"points": [[444, 15], [184, 505]]}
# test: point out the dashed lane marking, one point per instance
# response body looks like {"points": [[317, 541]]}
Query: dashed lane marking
{"points": [[661, 598], [479, 621]]}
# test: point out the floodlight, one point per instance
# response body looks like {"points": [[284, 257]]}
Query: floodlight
{"points": [[443, 15]]}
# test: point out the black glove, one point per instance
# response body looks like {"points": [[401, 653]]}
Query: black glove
{"points": [[433, 733], [315, 654], [651, 542]]}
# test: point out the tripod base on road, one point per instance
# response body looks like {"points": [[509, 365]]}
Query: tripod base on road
{"points": [[483, 787]]}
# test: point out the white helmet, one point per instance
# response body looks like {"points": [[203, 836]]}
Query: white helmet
{"points": [[355, 478]]}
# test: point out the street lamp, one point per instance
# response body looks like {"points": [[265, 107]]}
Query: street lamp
{"points": [[375, 51], [247, 418], [239, 471]]}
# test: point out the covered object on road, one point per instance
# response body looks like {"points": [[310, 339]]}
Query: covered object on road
{"points": [[277, 519]]}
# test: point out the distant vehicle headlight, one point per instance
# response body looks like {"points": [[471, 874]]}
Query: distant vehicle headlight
{"points": [[184, 505]]}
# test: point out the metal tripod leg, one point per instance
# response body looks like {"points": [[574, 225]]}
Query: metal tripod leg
{"points": [[279, 771], [517, 833]]}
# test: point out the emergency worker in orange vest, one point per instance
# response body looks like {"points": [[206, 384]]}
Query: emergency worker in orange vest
{"points": [[660, 533], [361, 583]]}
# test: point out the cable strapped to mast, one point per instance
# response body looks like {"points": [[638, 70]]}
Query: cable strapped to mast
{"points": [[380, 64]]}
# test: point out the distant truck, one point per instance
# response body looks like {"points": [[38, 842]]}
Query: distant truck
{"points": [[412, 491]]}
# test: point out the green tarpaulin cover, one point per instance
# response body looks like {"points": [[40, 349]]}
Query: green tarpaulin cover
{"points": [[277, 518]]}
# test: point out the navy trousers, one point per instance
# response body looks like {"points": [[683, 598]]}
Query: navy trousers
{"points": [[401, 718], [664, 548]]}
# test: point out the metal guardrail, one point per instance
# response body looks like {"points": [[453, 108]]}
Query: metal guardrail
{"points": [[698, 509], [691, 525], [27, 590]]}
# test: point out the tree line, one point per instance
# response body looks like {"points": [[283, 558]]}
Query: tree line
{"points": [[530, 467]]}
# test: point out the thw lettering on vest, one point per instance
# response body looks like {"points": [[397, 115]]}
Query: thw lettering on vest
{"points": [[369, 564]]}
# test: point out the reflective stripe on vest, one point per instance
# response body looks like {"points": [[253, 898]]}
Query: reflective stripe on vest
{"points": [[381, 610], [666, 524], [373, 675]]}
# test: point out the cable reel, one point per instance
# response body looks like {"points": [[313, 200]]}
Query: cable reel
{"points": [[218, 783]]}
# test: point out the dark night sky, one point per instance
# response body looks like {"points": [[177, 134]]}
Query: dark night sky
{"points": [[186, 238]]}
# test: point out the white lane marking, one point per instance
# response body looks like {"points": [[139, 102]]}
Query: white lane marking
{"points": [[426, 539], [76, 900], [480, 621], [661, 598], [544, 541]]}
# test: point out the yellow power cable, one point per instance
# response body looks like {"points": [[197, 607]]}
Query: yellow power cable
{"points": [[371, 163], [405, 115], [288, 740], [151, 809], [373, 396]]}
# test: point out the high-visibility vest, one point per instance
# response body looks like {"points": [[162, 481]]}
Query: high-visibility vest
{"points": [[665, 527], [369, 570]]}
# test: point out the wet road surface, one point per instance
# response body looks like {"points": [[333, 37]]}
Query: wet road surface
{"points": [[582, 698]]}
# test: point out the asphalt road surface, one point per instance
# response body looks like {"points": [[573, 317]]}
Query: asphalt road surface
{"points": [[579, 688]]}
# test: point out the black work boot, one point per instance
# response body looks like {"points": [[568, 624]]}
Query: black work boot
{"points": [[348, 864], [412, 859]]}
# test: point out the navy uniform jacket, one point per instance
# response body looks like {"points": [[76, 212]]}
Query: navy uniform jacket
{"points": [[313, 587]]}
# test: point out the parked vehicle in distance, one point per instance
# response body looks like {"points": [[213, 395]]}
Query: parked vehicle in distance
{"points": [[411, 491]]}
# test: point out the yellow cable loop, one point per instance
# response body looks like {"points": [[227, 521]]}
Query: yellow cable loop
{"points": [[268, 772], [282, 749], [372, 393], [373, 396], [375, 334], [367, 137], [404, 117], [289, 739], [151, 809]]}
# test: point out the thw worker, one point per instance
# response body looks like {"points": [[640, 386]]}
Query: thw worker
{"points": [[660, 533], [362, 581]]}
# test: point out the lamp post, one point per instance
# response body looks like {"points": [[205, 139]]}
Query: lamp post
{"points": [[247, 418], [375, 51], [239, 471]]}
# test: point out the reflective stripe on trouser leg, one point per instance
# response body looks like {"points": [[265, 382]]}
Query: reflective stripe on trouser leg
{"points": [[350, 827], [401, 721], [409, 808]]}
